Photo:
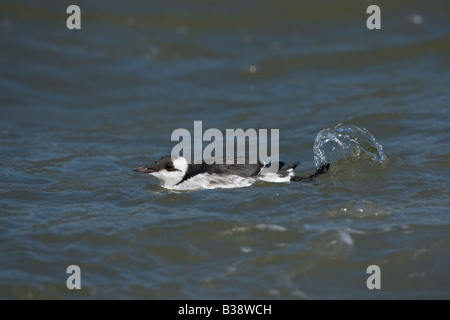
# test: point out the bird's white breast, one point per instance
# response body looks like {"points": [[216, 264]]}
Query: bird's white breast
{"points": [[214, 181]]}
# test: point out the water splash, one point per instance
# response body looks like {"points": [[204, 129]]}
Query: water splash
{"points": [[343, 142]]}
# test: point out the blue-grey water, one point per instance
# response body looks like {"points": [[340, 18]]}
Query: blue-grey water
{"points": [[81, 108]]}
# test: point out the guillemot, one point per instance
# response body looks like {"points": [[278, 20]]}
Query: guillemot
{"points": [[178, 174]]}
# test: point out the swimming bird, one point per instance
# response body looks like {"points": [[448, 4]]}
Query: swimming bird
{"points": [[178, 174]]}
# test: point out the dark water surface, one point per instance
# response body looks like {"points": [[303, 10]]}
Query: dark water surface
{"points": [[81, 108]]}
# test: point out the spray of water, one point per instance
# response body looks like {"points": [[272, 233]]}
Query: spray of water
{"points": [[346, 141]]}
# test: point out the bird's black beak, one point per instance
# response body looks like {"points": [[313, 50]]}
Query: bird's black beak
{"points": [[145, 169]]}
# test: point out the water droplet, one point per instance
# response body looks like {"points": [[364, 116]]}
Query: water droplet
{"points": [[417, 19], [246, 249]]}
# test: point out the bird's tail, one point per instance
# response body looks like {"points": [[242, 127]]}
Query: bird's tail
{"points": [[322, 170]]}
